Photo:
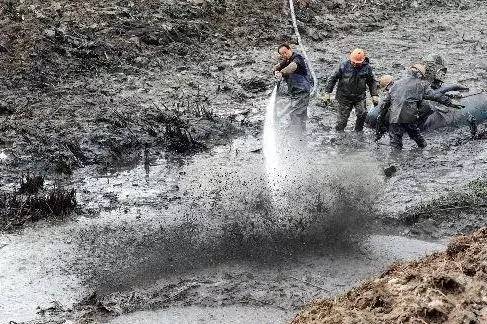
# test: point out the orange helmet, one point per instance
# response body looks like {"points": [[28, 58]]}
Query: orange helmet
{"points": [[357, 56]]}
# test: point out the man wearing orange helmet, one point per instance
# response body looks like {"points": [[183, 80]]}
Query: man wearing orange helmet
{"points": [[353, 76]]}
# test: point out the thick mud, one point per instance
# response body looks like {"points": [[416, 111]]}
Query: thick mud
{"points": [[163, 235], [446, 287]]}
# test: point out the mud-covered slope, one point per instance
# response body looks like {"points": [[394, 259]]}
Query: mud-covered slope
{"points": [[444, 287], [97, 82]]}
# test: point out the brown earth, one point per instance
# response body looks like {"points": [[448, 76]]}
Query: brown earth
{"points": [[446, 287]]}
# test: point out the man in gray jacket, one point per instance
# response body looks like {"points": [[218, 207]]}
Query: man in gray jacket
{"points": [[404, 99]]}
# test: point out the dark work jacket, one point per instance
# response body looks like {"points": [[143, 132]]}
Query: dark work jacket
{"points": [[405, 97], [299, 81], [352, 82]]}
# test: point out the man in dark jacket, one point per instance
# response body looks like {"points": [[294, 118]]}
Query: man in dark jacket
{"points": [[404, 99], [293, 69], [353, 77]]}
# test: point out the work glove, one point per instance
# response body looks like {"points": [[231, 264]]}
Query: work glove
{"points": [[375, 100], [326, 99]]}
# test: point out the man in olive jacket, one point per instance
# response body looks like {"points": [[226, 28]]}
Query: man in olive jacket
{"points": [[353, 77], [404, 99]]}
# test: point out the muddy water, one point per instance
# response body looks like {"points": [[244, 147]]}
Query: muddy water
{"points": [[202, 232], [271, 293]]}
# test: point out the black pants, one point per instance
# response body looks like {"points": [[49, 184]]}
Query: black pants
{"points": [[397, 130], [344, 110]]}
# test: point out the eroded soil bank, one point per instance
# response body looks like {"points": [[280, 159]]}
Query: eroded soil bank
{"points": [[446, 287]]}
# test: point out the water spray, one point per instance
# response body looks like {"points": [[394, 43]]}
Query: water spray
{"points": [[270, 145], [3, 156]]}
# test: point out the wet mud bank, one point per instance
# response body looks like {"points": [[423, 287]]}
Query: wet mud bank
{"points": [[204, 233], [444, 287]]}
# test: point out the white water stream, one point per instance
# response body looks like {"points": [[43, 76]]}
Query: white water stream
{"points": [[273, 166]]}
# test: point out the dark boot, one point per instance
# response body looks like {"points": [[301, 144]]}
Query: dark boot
{"points": [[396, 132], [340, 127], [415, 134], [420, 141], [472, 124], [359, 123]]}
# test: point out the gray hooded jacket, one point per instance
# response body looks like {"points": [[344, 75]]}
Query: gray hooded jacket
{"points": [[405, 96]]}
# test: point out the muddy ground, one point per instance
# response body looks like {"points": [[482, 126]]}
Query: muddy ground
{"points": [[446, 287], [153, 113]]}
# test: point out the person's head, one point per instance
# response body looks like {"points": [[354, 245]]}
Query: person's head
{"points": [[357, 57], [285, 51], [385, 81], [435, 68], [418, 70]]}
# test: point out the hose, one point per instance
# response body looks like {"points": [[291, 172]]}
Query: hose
{"points": [[303, 50]]}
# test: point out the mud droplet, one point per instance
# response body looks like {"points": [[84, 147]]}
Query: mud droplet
{"points": [[390, 171]]}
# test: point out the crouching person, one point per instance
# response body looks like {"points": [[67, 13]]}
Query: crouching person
{"points": [[403, 101]]}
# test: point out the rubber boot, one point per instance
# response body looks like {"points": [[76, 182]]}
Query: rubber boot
{"points": [[421, 142], [340, 127], [472, 124], [359, 123]]}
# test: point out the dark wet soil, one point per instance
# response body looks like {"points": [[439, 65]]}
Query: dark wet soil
{"points": [[136, 106]]}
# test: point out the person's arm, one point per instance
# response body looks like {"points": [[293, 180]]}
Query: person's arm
{"points": [[372, 84], [290, 69], [430, 94], [333, 80], [381, 122], [452, 87], [279, 66], [385, 102]]}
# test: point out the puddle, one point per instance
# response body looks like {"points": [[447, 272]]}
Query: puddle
{"points": [[198, 315]]}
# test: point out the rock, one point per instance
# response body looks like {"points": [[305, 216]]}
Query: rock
{"points": [[135, 40], [5, 109], [140, 60], [390, 171]]}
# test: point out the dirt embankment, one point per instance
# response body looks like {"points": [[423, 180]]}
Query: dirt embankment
{"points": [[99, 82], [444, 287]]}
